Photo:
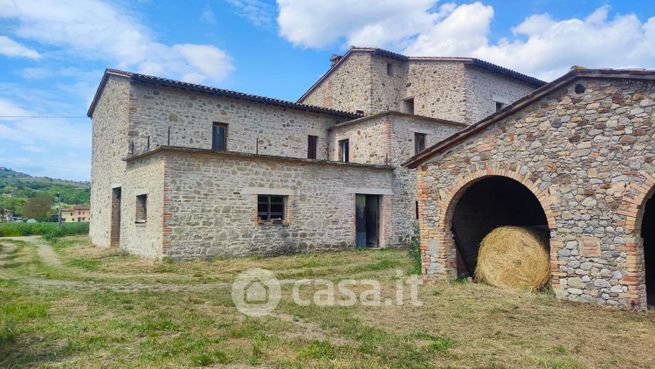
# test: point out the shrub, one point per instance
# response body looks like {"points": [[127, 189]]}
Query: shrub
{"points": [[414, 252], [48, 230]]}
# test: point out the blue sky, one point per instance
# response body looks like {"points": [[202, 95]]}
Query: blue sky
{"points": [[53, 53]]}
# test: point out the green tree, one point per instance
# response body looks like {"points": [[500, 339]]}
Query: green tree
{"points": [[14, 204], [38, 207]]}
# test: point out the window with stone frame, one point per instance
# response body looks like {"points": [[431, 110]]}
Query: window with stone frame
{"points": [[271, 208], [419, 142], [141, 209], [408, 105], [312, 147], [344, 151], [219, 137], [389, 69], [500, 105]]}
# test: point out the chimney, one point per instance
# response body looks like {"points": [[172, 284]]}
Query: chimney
{"points": [[335, 59]]}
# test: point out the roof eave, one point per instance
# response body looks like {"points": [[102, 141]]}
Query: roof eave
{"points": [[101, 87]]}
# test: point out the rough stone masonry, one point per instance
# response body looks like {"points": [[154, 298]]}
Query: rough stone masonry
{"points": [[583, 146], [190, 171]]}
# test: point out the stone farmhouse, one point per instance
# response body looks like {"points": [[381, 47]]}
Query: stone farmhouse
{"points": [[187, 171], [576, 156]]}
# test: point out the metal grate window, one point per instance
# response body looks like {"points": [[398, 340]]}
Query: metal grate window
{"points": [[270, 207]]}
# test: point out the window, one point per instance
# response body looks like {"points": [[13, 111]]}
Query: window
{"points": [[270, 208], [419, 142], [219, 137], [344, 151], [389, 69], [408, 105], [141, 209], [312, 143], [499, 106]]}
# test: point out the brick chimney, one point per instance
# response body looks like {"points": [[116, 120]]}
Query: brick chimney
{"points": [[335, 59]]}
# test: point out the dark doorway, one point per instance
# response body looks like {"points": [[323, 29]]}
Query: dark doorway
{"points": [[648, 234], [367, 220], [115, 236], [487, 204]]}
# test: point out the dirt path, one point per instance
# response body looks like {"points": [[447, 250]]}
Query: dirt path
{"points": [[46, 253], [50, 257], [5, 251]]}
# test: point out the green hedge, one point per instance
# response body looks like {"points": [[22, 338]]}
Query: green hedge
{"points": [[48, 230]]}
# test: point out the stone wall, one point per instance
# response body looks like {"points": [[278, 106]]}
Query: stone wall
{"points": [[109, 147], [190, 116], [438, 89], [348, 88], [404, 182], [589, 159], [484, 89], [387, 91], [389, 139], [441, 88], [143, 177], [211, 204]]}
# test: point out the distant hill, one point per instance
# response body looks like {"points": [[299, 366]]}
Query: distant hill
{"points": [[10, 176], [16, 188]]}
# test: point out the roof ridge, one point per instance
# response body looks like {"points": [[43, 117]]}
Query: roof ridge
{"points": [[384, 52]]}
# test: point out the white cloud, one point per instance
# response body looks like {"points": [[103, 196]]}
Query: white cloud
{"points": [[540, 45], [26, 136], [460, 31], [10, 47], [547, 47], [98, 30], [207, 15], [318, 23], [257, 12]]}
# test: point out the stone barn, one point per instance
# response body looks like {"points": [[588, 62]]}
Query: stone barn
{"points": [[576, 156]]}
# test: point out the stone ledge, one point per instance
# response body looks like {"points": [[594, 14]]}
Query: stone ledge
{"points": [[243, 155]]}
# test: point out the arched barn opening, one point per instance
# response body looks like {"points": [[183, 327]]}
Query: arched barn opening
{"points": [[648, 234], [487, 204]]}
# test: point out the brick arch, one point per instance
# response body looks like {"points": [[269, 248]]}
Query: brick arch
{"points": [[633, 206], [634, 201], [451, 195]]}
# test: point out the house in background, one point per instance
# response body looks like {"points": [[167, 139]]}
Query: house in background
{"points": [[76, 213], [6, 215], [188, 171]]}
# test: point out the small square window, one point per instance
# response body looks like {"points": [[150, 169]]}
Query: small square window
{"points": [[141, 209], [271, 208], [389, 69], [499, 106], [408, 105]]}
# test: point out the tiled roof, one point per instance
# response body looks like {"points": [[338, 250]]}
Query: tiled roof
{"points": [[390, 54], [158, 81], [526, 101]]}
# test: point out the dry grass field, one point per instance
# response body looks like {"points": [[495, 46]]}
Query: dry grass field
{"points": [[68, 305]]}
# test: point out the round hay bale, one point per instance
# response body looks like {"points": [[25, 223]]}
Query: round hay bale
{"points": [[514, 257]]}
